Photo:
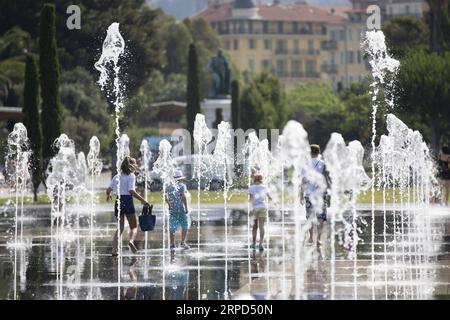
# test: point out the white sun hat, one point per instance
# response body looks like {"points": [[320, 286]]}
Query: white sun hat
{"points": [[178, 175]]}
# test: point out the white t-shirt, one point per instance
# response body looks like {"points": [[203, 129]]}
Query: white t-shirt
{"points": [[127, 183], [312, 187], [259, 194]]}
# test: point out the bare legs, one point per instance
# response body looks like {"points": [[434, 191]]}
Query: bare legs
{"points": [[132, 222], [319, 225], [258, 223], [183, 237]]}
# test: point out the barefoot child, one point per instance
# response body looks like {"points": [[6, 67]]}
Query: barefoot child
{"points": [[176, 198], [127, 192], [259, 194]]}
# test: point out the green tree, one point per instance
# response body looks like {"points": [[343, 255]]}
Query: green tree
{"points": [[423, 93], [263, 103], [235, 105], [177, 39], [436, 23], [51, 115], [85, 109], [318, 109], [193, 90], [32, 121], [404, 34]]}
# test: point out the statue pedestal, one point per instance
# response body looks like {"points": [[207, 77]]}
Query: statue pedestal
{"points": [[209, 107]]}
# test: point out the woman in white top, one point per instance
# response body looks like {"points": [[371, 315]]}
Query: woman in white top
{"points": [[126, 182]]}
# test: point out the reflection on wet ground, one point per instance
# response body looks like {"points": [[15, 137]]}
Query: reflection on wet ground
{"points": [[54, 268]]}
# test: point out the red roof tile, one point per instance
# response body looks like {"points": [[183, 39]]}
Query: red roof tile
{"points": [[286, 12]]}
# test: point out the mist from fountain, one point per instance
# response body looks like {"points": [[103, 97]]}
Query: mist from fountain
{"points": [[108, 65]]}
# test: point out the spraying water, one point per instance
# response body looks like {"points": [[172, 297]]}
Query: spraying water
{"points": [[223, 158], [202, 137], [17, 165], [345, 165], [109, 68], [382, 65], [95, 167], [62, 178], [146, 155], [165, 168]]}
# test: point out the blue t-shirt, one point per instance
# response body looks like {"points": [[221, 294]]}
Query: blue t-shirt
{"points": [[174, 193]]}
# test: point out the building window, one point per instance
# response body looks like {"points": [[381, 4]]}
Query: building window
{"points": [[251, 65], [265, 64], [296, 46], [359, 57], [267, 44], [311, 46], [281, 68], [265, 27], [241, 27], [333, 35], [295, 27], [333, 58], [227, 45], [252, 44], [350, 35], [342, 35], [281, 46], [311, 67], [351, 56], [236, 44], [280, 27], [407, 9], [296, 68], [342, 57], [250, 26]]}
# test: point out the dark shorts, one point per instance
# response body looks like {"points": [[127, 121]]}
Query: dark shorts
{"points": [[321, 213], [126, 205]]}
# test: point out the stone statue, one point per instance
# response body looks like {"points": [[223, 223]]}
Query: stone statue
{"points": [[220, 71]]}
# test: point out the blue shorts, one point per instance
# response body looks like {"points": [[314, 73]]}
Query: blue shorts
{"points": [[178, 219], [126, 205]]}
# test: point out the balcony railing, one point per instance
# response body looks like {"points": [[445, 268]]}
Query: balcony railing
{"points": [[297, 52], [297, 75]]}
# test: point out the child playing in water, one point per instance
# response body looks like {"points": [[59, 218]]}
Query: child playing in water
{"points": [[176, 198], [259, 194], [127, 190]]}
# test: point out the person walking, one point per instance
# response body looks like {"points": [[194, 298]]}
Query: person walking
{"points": [[259, 194], [314, 187], [176, 197], [123, 185]]}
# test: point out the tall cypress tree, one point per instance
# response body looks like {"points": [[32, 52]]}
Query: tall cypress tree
{"points": [[51, 115], [235, 105], [32, 120], [193, 89]]}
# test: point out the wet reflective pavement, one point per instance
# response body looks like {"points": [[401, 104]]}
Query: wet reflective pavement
{"points": [[53, 268]]}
